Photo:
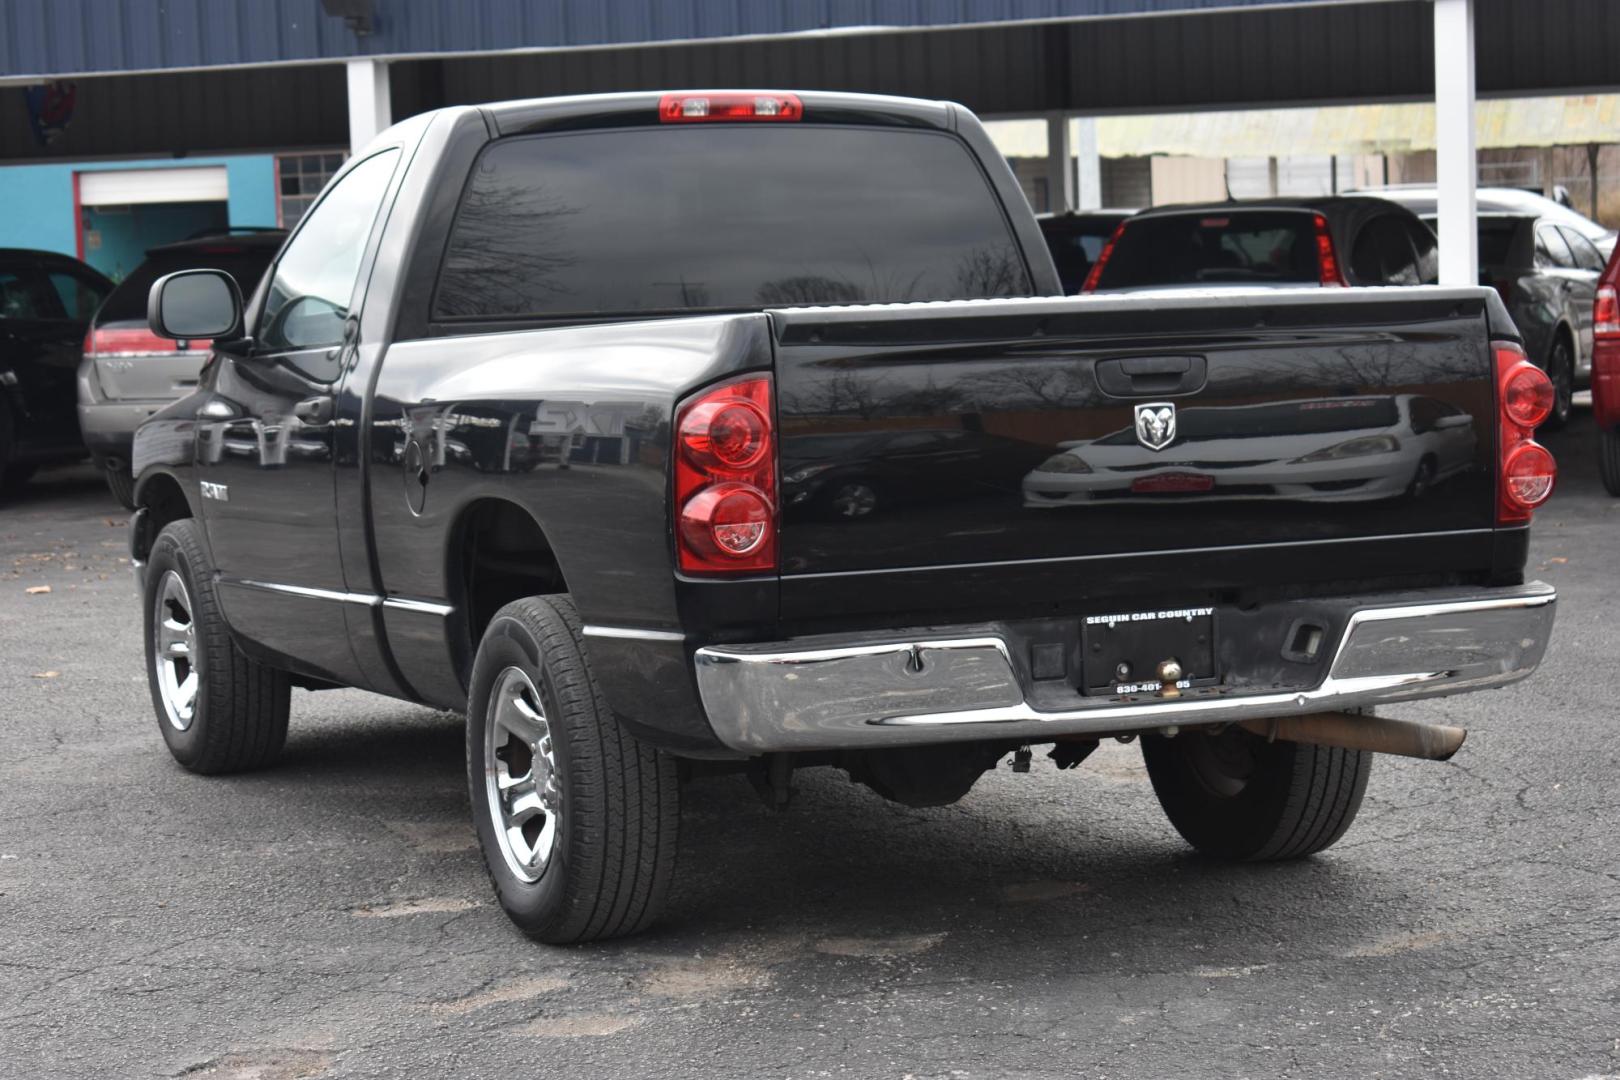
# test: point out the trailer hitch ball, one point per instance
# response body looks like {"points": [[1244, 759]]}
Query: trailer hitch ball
{"points": [[1170, 673]]}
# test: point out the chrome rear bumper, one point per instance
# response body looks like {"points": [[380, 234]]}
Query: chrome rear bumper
{"points": [[865, 692]]}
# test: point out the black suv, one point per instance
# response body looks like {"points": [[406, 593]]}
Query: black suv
{"points": [[1331, 241], [46, 301]]}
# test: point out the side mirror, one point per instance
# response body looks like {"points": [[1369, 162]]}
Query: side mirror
{"points": [[195, 304]]}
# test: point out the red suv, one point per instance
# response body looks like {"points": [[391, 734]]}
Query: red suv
{"points": [[1606, 372]]}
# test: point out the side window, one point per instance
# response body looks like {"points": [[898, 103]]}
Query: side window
{"points": [[1551, 249], [309, 296], [1428, 251], [79, 295], [1425, 411], [1586, 256], [23, 296], [1388, 258]]}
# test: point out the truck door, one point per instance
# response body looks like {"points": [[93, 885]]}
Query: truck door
{"points": [[265, 440]]}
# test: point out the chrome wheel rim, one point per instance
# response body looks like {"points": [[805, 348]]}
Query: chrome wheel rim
{"points": [[520, 775], [174, 651]]}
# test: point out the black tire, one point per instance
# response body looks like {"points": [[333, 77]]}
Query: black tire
{"points": [[1236, 796], [121, 482], [1560, 369], [616, 818], [1609, 460], [13, 478], [239, 714]]}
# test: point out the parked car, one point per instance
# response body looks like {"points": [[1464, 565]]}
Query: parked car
{"points": [[1547, 274], [46, 301], [704, 270], [1606, 373], [1075, 239], [127, 373], [1340, 449], [1330, 241], [1423, 198]]}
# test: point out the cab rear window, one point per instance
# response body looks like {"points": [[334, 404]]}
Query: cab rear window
{"points": [[1229, 247], [724, 217]]}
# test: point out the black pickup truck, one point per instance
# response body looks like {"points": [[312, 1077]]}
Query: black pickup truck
{"points": [[671, 434]]}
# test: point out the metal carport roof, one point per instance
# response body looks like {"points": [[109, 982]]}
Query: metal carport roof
{"points": [[74, 37]]}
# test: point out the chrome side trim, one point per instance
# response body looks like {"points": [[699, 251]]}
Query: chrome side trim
{"points": [[1065, 559], [305, 591], [393, 603], [766, 698], [422, 607], [633, 633]]}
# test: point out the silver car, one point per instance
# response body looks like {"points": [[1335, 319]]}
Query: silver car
{"points": [[128, 373]]}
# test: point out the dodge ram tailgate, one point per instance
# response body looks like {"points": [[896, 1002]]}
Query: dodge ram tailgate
{"points": [[1002, 458]]}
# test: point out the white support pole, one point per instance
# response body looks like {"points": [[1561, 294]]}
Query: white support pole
{"points": [[1456, 158], [1059, 167], [1088, 188], [370, 108]]}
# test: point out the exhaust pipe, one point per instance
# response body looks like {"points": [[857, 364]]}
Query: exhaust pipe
{"points": [[1381, 735]]}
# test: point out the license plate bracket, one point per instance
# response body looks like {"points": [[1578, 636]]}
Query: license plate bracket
{"points": [[1122, 650]]}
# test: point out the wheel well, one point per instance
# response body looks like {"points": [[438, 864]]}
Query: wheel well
{"points": [[164, 501], [498, 554]]}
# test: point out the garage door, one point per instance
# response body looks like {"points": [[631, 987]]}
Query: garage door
{"points": [[124, 187]]}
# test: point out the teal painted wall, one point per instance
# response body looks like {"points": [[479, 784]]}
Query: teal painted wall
{"points": [[125, 235], [38, 199]]}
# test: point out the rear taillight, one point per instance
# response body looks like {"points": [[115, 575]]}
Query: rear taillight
{"points": [[139, 342], [1094, 278], [725, 480], [1327, 261], [1606, 356], [1606, 312], [1525, 399], [697, 108]]}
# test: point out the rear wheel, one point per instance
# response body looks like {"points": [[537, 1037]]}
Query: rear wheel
{"points": [[120, 481], [219, 711], [577, 820], [1561, 370], [1237, 796], [1609, 459]]}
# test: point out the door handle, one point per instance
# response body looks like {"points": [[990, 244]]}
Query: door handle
{"points": [[1152, 376], [314, 411]]}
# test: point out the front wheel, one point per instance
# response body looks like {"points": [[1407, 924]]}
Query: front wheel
{"points": [[1609, 459], [1237, 796], [219, 710], [576, 819]]}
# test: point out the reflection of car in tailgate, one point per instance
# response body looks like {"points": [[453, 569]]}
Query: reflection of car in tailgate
{"points": [[1327, 449]]}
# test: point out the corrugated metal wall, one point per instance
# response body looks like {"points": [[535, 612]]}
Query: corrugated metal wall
{"points": [[62, 37], [1196, 61], [1209, 60]]}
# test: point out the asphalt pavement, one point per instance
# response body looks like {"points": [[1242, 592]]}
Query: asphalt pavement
{"points": [[329, 917]]}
